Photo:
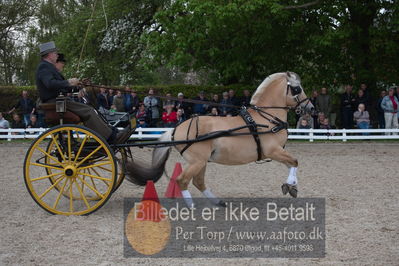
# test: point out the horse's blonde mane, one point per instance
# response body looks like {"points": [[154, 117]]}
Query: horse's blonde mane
{"points": [[261, 88]]}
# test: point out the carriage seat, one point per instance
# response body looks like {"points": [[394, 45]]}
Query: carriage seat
{"points": [[52, 117]]}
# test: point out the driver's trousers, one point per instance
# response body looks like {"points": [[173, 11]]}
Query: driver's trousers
{"points": [[90, 118]]}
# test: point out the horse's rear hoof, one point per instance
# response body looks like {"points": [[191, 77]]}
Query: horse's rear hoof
{"points": [[222, 204], [292, 189], [285, 188]]}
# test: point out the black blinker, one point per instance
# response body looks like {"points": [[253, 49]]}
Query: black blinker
{"points": [[296, 90]]}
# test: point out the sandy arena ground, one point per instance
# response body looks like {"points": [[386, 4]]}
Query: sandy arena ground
{"points": [[358, 180]]}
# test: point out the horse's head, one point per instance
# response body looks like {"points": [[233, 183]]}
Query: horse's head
{"points": [[296, 96]]}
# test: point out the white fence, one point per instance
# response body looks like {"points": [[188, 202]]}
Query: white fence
{"points": [[304, 134]]}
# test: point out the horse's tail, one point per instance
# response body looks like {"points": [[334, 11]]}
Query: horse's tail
{"points": [[139, 174]]}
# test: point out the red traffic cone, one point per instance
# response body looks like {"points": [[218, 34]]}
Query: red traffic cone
{"points": [[173, 191], [150, 207], [150, 193]]}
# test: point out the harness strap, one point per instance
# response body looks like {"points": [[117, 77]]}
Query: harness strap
{"points": [[253, 128], [188, 131]]}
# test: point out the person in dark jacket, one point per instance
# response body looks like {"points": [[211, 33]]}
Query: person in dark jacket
{"points": [[347, 105], [224, 110], [50, 84], [180, 103], [200, 108], [17, 122], [102, 99], [26, 105], [361, 99], [246, 99]]}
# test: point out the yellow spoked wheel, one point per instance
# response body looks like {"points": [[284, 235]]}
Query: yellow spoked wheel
{"points": [[120, 156], [70, 170]]}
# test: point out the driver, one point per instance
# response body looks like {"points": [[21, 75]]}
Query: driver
{"points": [[50, 83]]}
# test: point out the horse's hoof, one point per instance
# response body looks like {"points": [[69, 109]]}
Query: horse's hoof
{"points": [[222, 204], [293, 191], [285, 188]]}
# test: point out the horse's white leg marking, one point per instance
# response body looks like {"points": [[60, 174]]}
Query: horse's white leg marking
{"points": [[292, 179], [184, 179], [207, 193], [187, 198]]}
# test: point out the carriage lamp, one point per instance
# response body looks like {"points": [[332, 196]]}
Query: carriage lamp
{"points": [[60, 104]]}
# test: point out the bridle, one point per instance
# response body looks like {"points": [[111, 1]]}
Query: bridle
{"points": [[295, 92]]}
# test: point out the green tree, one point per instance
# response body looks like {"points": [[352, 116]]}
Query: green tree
{"points": [[324, 41], [14, 16]]}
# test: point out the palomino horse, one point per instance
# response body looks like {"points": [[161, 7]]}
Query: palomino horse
{"points": [[269, 107]]}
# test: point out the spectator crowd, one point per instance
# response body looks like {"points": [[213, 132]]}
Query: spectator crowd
{"points": [[152, 111]]}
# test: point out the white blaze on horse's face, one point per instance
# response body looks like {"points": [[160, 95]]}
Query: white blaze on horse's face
{"points": [[297, 94]]}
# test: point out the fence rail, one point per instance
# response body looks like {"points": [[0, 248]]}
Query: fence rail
{"points": [[303, 134]]}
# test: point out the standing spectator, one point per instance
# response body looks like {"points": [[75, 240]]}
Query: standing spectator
{"points": [[347, 103], [135, 101], [313, 98], [324, 103], [131, 101], [180, 116], [118, 101], [380, 111], [364, 88], [215, 99], [361, 98], [362, 118], [152, 104], [102, 99], [246, 99], [181, 104], [390, 106], [110, 97], [200, 108], [127, 99], [233, 99], [169, 117], [3, 123], [168, 102], [27, 106], [224, 110]]}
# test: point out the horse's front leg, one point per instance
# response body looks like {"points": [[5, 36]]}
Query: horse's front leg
{"points": [[291, 186]]}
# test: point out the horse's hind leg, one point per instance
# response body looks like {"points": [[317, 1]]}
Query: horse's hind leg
{"points": [[184, 179], [284, 157], [199, 182]]}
